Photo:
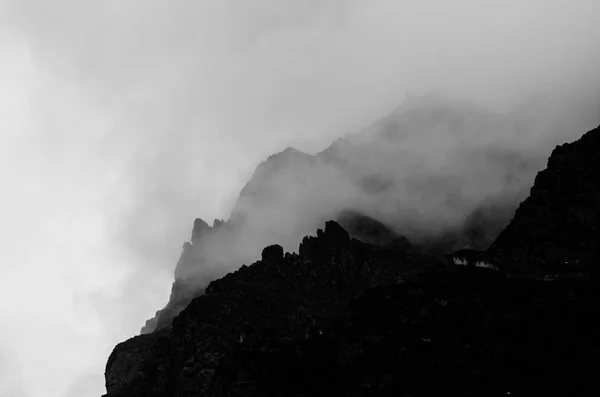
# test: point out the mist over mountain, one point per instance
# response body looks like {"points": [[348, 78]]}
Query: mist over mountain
{"points": [[122, 122], [555, 230], [384, 318], [444, 174]]}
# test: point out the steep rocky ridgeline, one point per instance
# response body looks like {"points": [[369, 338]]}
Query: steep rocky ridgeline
{"points": [[383, 318], [284, 298], [194, 258], [556, 230], [441, 174], [297, 325]]}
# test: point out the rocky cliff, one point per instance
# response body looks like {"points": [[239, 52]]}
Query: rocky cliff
{"points": [[438, 173], [556, 230], [277, 303], [381, 317]]}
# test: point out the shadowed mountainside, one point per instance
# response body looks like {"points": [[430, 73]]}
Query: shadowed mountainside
{"points": [[556, 229], [444, 175], [289, 297], [345, 317]]}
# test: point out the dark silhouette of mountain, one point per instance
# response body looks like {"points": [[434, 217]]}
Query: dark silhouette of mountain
{"points": [[382, 317], [398, 179], [556, 229], [287, 297]]}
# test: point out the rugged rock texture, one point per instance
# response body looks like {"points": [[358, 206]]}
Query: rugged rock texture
{"points": [[280, 300], [348, 318], [186, 286], [441, 174], [193, 259], [556, 230], [477, 231], [467, 332], [283, 327]]}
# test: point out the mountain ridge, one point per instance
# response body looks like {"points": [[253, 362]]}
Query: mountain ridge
{"points": [[439, 200], [345, 317], [567, 192]]}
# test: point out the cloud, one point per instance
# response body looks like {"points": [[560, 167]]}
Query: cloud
{"points": [[202, 91], [195, 94], [86, 385], [423, 170], [11, 379]]}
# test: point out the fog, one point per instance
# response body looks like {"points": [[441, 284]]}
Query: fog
{"points": [[123, 121], [434, 170]]}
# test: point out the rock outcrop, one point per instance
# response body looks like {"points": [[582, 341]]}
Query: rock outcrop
{"points": [[193, 260], [348, 318]]}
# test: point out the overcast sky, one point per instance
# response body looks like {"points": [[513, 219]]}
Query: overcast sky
{"points": [[123, 120]]}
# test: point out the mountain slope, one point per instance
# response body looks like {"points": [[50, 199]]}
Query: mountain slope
{"points": [[444, 175], [344, 317], [288, 298], [556, 229]]}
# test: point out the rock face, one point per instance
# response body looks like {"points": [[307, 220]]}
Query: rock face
{"points": [[369, 230], [387, 181], [351, 318], [186, 286], [556, 230], [194, 258], [463, 331], [348, 318], [271, 306]]}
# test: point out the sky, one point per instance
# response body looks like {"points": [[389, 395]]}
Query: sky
{"points": [[122, 121]]}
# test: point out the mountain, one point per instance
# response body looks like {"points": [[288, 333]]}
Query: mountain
{"points": [[443, 175], [280, 328], [384, 317], [282, 298], [556, 229]]}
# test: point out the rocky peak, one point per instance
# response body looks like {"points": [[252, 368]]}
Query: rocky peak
{"points": [[200, 228], [286, 162], [280, 299], [272, 253], [186, 286], [332, 239], [334, 234]]}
